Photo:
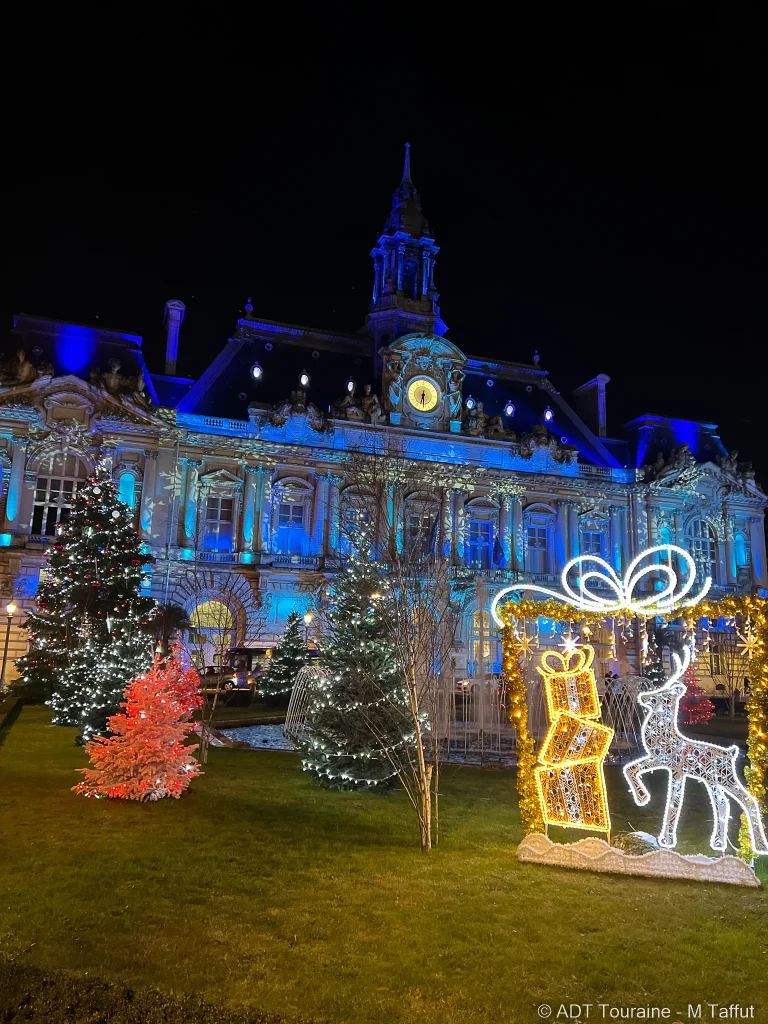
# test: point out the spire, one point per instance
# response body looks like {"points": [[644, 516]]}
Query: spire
{"points": [[407, 164], [406, 214]]}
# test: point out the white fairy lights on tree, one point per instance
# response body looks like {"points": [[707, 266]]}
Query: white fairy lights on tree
{"points": [[91, 630]]}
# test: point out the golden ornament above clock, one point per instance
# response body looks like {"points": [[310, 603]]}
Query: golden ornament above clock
{"points": [[423, 395]]}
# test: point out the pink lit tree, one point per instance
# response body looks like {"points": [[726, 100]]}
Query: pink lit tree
{"points": [[145, 757]]}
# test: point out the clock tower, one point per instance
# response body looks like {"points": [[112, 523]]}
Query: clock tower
{"points": [[404, 295]]}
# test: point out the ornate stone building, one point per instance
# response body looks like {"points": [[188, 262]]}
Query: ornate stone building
{"points": [[239, 480]]}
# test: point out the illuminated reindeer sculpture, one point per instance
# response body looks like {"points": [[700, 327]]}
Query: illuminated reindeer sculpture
{"points": [[683, 758]]}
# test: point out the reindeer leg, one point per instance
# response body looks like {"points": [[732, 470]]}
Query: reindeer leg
{"points": [[675, 795], [751, 808], [633, 772], [722, 809]]}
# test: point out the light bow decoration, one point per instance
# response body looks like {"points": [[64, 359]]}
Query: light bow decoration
{"points": [[570, 779], [673, 596], [684, 758]]}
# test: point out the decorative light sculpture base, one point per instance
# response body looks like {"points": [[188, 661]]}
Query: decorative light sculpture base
{"points": [[594, 854]]}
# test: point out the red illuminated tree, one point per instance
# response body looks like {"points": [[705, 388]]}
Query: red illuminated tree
{"points": [[695, 704], [145, 758]]}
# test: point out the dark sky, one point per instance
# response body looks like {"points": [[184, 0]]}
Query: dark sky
{"points": [[612, 215]]}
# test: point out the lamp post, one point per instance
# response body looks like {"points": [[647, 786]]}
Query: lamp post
{"points": [[10, 609], [307, 623]]}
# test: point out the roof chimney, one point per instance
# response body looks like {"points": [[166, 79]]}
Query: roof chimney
{"points": [[173, 317], [592, 395]]}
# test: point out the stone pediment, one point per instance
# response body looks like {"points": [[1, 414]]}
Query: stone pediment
{"points": [[682, 471], [220, 479], [49, 401]]}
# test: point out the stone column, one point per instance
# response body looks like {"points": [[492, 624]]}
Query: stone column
{"points": [[444, 546], [730, 554], [332, 522], [148, 495], [506, 528], [518, 540], [561, 539], [573, 530], [249, 506], [266, 510], [757, 550], [190, 502], [16, 483], [459, 497], [616, 559], [319, 510]]}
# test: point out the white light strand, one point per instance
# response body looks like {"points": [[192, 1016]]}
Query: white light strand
{"points": [[684, 758], [661, 602]]}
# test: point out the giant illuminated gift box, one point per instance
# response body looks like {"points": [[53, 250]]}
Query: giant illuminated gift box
{"points": [[570, 779]]}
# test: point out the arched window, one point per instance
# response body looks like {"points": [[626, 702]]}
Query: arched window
{"points": [[126, 489], [58, 478], [702, 544], [292, 504], [212, 615], [741, 550]]}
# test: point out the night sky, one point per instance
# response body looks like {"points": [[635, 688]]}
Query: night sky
{"points": [[614, 217]]}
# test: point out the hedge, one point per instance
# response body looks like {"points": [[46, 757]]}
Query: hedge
{"points": [[56, 997]]}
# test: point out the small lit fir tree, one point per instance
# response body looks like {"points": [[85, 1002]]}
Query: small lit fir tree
{"points": [[145, 757], [357, 718], [91, 631], [287, 658], [695, 705]]}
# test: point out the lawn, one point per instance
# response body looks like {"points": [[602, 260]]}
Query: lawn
{"points": [[259, 889]]}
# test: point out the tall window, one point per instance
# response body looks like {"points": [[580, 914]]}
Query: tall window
{"points": [[536, 549], [741, 550], [217, 528], [480, 544], [57, 482], [715, 660], [702, 544], [352, 518], [420, 531], [126, 489], [592, 543], [290, 528], [483, 645]]}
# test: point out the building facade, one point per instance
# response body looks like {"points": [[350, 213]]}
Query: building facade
{"points": [[240, 480]]}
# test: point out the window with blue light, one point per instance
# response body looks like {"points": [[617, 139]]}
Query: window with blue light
{"points": [[536, 549], [218, 523], [421, 532], [351, 520], [741, 550], [126, 489], [479, 544], [592, 543], [290, 528]]}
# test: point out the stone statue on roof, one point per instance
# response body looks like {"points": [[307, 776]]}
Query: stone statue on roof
{"points": [[19, 370]]}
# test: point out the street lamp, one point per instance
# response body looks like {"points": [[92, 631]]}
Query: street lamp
{"points": [[10, 609], [307, 623]]}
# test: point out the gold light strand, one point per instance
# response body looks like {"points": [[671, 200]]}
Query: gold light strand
{"points": [[756, 608]]}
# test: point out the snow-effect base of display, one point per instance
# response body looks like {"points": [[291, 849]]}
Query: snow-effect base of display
{"points": [[594, 854]]}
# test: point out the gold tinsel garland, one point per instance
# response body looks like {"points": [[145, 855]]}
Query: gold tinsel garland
{"points": [[756, 608]]}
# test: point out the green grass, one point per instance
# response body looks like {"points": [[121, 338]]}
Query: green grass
{"points": [[260, 889]]}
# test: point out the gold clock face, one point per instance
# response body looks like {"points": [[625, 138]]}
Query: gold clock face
{"points": [[423, 395]]}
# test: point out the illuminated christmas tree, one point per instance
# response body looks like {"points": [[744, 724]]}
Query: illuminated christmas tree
{"points": [[287, 658], [695, 705], [145, 758], [357, 726], [91, 630]]}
